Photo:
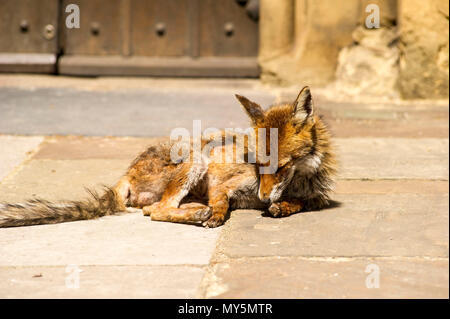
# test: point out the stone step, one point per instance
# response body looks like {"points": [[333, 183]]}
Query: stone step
{"points": [[100, 282], [128, 239], [333, 278], [356, 225]]}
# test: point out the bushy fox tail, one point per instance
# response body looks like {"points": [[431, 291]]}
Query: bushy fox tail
{"points": [[38, 211]]}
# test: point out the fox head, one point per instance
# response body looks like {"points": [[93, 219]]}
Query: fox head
{"points": [[296, 141]]}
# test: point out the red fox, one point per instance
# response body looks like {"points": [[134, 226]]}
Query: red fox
{"points": [[204, 191]]}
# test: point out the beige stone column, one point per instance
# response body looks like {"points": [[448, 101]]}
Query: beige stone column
{"points": [[301, 39], [276, 28], [322, 28], [388, 11], [424, 48]]}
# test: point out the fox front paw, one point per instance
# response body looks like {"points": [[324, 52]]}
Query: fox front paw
{"points": [[214, 221], [275, 210], [283, 209], [148, 210], [203, 214]]}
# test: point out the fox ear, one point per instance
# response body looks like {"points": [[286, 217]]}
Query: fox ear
{"points": [[303, 105], [253, 110]]}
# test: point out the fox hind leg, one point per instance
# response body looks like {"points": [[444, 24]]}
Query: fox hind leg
{"points": [[169, 209], [186, 213]]}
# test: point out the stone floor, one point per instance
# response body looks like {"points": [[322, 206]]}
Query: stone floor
{"points": [[389, 221]]}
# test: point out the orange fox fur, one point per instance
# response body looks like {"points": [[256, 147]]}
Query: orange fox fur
{"points": [[205, 191]]}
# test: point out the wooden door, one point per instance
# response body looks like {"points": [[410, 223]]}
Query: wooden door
{"points": [[217, 38], [162, 38]]}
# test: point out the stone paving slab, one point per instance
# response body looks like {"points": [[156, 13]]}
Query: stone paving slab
{"points": [[61, 179], [393, 195], [103, 160], [101, 282], [340, 278], [350, 128], [153, 107], [129, 239], [80, 147], [15, 149], [396, 158], [364, 225], [150, 112], [388, 158], [391, 187], [405, 120], [114, 83]]}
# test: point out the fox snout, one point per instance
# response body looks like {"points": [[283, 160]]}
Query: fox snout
{"points": [[271, 186], [267, 183]]}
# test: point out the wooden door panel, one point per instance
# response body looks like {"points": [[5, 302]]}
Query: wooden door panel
{"points": [[226, 29], [160, 27], [29, 26], [213, 38], [100, 31]]}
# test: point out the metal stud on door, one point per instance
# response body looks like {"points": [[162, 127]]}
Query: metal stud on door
{"points": [[28, 41]]}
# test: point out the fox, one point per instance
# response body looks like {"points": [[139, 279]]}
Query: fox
{"points": [[204, 191]]}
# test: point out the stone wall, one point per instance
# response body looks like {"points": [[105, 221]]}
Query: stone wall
{"points": [[312, 42], [370, 65], [423, 47], [301, 39]]}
